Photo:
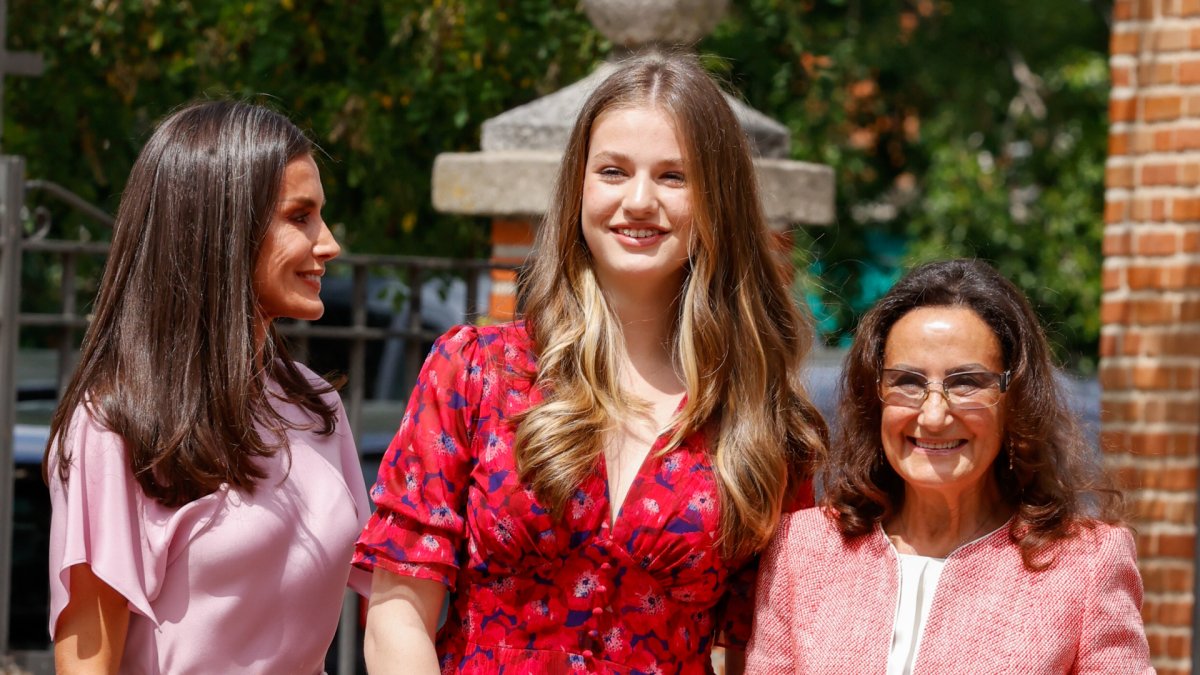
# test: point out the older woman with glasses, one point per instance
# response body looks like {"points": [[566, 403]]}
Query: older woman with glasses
{"points": [[965, 525]]}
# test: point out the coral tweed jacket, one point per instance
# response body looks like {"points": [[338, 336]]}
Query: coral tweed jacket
{"points": [[827, 605]]}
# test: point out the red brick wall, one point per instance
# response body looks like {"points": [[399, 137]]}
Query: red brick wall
{"points": [[1150, 342]]}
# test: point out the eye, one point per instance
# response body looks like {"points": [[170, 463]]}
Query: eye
{"points": [[611, 173], [968, 383], [674, 178], [300, 217], [904, 381]]}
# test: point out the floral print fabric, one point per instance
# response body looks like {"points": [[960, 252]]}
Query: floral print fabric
{"points": [[647, 593]]}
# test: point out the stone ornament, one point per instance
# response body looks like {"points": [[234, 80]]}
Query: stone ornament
{"points": [[637, 23]]}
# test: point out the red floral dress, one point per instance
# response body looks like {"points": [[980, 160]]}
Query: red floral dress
{"points": [[533, 594]]}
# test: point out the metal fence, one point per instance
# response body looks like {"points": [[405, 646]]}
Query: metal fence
{"points": [[406, 331]]}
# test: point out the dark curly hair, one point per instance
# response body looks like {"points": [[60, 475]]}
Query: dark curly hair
{"points": [[1055, 484]]}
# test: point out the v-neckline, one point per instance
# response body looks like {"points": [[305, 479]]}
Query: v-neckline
{"points": [[613, 510]]}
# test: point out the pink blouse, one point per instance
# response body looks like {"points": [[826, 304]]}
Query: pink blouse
{"points": [[231, 582], [827, 605]]}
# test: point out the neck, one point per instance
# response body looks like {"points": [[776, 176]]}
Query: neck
{"points": [[936, 522], [647, 317]]}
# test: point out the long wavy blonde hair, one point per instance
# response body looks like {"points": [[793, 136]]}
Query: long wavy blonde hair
{"points": [[739, 338]]}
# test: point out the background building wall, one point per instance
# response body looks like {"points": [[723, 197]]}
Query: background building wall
{"points": [[1150, 341]]}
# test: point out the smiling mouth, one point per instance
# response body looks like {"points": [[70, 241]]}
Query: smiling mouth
{"points": [[932, 447], [314, 279], [638, 233]]}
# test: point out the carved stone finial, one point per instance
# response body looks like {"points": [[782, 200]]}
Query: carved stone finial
{"points": [[637, 23]]}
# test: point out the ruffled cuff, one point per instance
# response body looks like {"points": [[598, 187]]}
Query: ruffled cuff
{"points": [[400, 546]]}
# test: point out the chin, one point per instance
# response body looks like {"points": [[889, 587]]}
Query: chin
{"points": [[306, 313], [643, 273]]}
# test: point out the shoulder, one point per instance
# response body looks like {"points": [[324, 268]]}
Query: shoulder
{"points": [[93, 453], [308, 373], [1097, 544], [1094, 555], [812, 554], [331, 397], [810, 532], [84, 431], [503, 343], [510, 334]]}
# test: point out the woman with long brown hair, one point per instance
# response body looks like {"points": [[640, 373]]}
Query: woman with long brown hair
{"points": [[593, 482], [965, 524], [205, 486]]}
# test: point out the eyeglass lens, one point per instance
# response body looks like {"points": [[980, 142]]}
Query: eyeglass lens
{"points": [[964, 391]]}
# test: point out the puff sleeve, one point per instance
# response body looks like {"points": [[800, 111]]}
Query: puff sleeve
{"points": [[420, 492]]}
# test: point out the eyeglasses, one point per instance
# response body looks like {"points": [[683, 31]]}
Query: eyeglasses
{"points": [[973, 390]]}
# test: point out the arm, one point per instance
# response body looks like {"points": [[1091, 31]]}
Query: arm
{"points": [[401, 622], [1112, 638], [90, 637], [410, 542], [773, 638]]}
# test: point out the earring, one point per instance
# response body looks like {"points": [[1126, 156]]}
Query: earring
{"points": [[1010, 457]]}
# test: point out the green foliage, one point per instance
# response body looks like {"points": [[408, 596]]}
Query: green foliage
{"points": [[383, 85], [954, 128]]}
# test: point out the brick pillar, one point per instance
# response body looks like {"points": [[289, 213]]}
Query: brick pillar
{"points": [[511, 242], [1150, 340]]}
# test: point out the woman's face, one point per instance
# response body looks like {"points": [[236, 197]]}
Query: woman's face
{"points": [[287, 275], [935, 447], [637, 205]]}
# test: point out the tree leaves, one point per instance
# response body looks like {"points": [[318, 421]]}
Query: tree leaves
{"points": [[954, 128]]}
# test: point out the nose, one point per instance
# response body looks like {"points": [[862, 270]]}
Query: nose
{"points": [[935, 409], [640, 198], [326, 247]]}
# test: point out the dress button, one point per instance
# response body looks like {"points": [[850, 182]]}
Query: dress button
{"points": [[605, 566], [593, 633], [597, 611], [587, 653], [602, 588]]}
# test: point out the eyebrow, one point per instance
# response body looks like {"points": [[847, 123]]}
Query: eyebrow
{"points": [[964, 368], [302, 201], [613, 156]]}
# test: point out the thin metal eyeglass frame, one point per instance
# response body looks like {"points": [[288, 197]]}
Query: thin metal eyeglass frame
{"points": [[1004, 379]]}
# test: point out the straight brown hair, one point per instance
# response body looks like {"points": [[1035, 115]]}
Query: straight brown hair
{"points": [[170, 361]]}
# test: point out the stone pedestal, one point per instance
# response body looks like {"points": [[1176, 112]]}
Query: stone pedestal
{"points": [[511, 179]]}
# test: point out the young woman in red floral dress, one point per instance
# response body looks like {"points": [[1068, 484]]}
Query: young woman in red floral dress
{"points": [[594, 482]]}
